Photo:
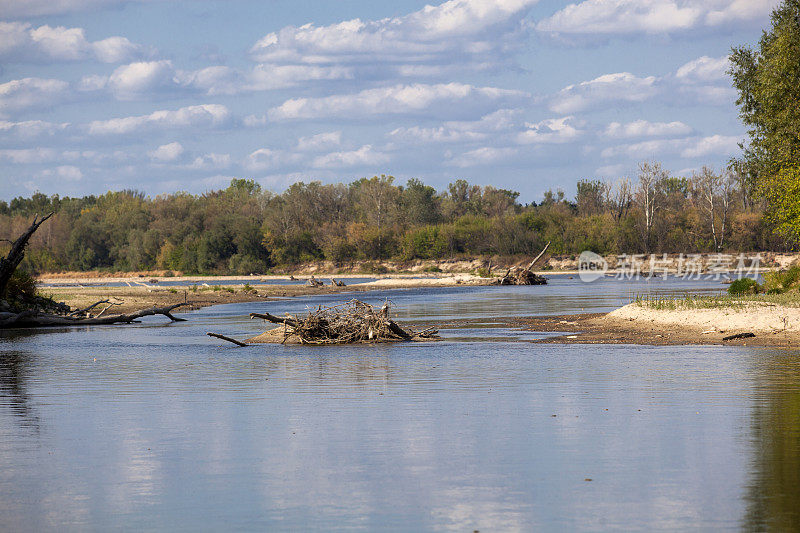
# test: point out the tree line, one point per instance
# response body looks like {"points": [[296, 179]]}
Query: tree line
{"points": [[245, 229]]}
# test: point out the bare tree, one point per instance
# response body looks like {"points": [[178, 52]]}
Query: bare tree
{"points": [[717, 192], [649, 195], [618, 198], [728, 185]]}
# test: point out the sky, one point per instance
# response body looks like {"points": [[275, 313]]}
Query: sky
{"points": [[184, 95]]}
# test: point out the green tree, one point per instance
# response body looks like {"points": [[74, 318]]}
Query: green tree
{"points": [[768, 82]]}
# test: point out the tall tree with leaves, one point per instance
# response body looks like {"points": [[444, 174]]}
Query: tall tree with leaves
{"points": [[768, 81]]}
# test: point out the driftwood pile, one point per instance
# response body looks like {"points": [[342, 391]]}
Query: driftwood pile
{"points": [[347, 323], [521, 276], [524, 275]]}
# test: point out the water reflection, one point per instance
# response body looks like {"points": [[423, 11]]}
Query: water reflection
{"points": [[774, 491], [13, 387], [155, 426]]}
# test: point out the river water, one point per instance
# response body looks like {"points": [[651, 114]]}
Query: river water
{"points": [[157, 427]]}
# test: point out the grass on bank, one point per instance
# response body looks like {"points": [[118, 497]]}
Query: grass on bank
{"points": [[724, 301], [780, 288]]}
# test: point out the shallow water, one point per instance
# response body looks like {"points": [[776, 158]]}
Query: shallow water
{"points": [[156, 426]]}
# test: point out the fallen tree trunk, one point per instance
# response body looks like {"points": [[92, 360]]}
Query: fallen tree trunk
{"points": [[10, 262], [224, 338], [536, 260], [274, 319], [524, 276], [39, 314], [31, 319]]}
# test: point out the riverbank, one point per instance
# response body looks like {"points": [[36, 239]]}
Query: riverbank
{"points": [[773, 326], [198, 292]]}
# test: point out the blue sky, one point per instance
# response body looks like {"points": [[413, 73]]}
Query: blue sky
{"points": [[162, 96]]}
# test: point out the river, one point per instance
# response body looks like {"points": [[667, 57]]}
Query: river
{"points": [[157, 427]]}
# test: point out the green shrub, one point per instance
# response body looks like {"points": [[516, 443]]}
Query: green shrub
{"points": [[483, 273], [373, 268], [427, 242], [432, 268], [744, 286], [20, 286], [783, 279]]}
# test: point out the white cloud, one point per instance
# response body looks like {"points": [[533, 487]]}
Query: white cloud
{"points": [[707, 94], [63, 172], [651, 16], [266, 158], [716, 144], [28, 155], [135, 80], [439, 134], [364, 156], [214, 80], [611, 170], [723, 12], [29, 129], [693, 147], [211, 162], [619, 87], [467, 33], [269, 77], [704, 70], [167, 152], [320, 141], [116, 50], [17, 95], [20, 41], [643, 150], [208, 115], [253, 121], [551, 131], [451, 98], [458, 131], [643, 128], [146, 78], [483, 156], [130, 81]]}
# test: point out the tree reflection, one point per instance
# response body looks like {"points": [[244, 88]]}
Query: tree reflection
{"points": [[774, 491], [13, 386]]}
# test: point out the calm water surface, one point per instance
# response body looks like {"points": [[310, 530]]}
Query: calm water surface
{"points": [[158, 427]]}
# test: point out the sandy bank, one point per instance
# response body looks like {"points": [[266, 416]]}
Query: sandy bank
{"points": [[773, 326], [760, 318]]}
